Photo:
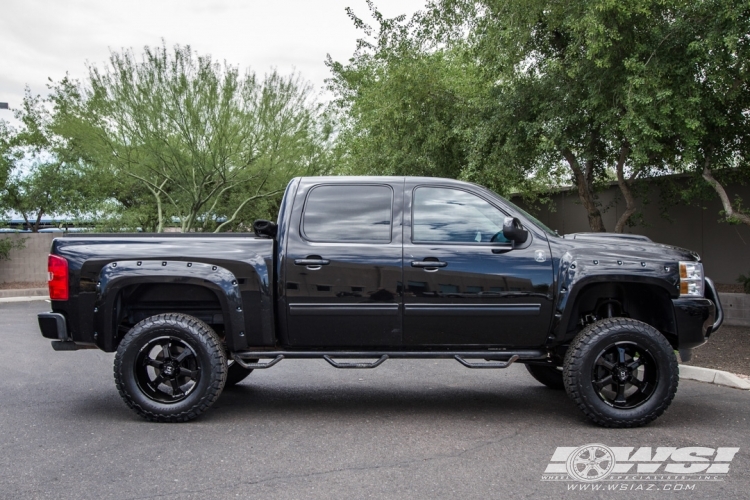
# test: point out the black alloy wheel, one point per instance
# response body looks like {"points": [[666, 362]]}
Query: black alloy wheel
{"points": [[170, 368], [621, 372], [625, 375], [167, 369]]}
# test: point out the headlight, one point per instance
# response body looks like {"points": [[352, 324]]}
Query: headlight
{"points": [[691, 279]]}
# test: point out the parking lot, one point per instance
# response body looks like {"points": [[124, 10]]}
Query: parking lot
{"points": [[409, 429]]}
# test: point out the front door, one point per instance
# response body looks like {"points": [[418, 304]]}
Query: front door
{"points": [[343, 265], [463, 285]]}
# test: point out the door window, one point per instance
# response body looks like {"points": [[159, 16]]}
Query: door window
{"points": [[453, 216], [348, 213]]}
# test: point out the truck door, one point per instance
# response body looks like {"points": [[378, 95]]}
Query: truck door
{"points": [[461, 288], [342, 268]]}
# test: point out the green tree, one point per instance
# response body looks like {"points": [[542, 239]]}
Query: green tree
{"points": [[714, 135], [411, 107], [192, 133], [8, 156], [40, 181], [614, 90], [577, 84]]}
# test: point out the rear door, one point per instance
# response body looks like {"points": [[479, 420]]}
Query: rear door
{"points": [[463, 285], [343, 264]]}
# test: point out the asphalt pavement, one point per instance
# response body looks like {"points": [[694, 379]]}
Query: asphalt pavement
{"points": [[304, 430]]}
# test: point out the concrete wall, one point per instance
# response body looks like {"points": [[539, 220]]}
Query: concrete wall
{"points": [[27, 264], [724, 248], [736, 308]]}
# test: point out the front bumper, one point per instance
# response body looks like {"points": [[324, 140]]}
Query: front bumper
{"points": [[713, 296], [697, 318]]}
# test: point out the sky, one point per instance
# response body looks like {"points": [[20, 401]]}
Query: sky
{"points": [[42, 39]]}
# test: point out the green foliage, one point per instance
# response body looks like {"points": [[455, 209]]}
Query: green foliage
{"points": [[707, 81], [8, 154], [39, 181], [528, 94], [176, 136], [745, 282], [411, 108], [7, 244], [575, 86]]}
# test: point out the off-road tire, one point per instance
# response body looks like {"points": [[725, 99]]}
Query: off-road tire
{"points": [[237, 373], [547, 375], [209, 356], [578, 371]]}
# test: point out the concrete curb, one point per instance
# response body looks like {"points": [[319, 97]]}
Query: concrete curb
{"points": [[24, 292], [712, 376], [23, 299]]}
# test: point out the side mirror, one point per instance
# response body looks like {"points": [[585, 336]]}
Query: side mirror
{"points": [[264, 228], [514, 231]]}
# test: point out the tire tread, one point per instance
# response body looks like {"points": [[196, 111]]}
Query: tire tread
{"points": [[206, 336], [581, 346]]}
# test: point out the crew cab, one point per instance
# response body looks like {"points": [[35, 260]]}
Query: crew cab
{"points": [[377, 268]]}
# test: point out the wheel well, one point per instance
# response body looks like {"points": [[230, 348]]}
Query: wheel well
{"points": [[140, 301], [647, 303]]}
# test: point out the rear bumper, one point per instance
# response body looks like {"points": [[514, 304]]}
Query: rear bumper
{"points": [[53, 326], [698, 318]]}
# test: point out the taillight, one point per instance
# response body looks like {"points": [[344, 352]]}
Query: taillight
{"points": [[57, 274]]}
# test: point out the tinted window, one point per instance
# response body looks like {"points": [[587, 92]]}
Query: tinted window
{"points": [[348, 213], [451, 215]]}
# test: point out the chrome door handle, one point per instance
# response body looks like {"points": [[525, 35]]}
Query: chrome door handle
{"points": [[312, 262], [428, 263]]}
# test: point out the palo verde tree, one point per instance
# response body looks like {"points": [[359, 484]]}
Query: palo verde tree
{"points": [[203, 139]]}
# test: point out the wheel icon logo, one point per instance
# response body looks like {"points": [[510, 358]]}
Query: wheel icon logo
{"points": [[592, 462]]}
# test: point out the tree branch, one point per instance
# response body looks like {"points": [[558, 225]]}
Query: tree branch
{"points": [[242, 205], [729, 213], [584, 192], [630, 207]]}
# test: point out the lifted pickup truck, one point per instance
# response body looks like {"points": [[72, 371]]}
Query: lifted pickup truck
{"points": [[379, 268]]}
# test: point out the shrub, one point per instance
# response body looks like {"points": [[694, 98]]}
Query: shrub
{"points": [[745, 281], [6, 245]]}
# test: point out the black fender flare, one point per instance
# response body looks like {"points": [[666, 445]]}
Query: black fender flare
{"points": [[570, 290], [117, 275]]}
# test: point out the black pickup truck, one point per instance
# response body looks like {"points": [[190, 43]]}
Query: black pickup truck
{"points": [[358, 270]]}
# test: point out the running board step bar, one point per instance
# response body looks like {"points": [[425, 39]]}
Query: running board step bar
{"points": [[374, 364], [494, 359], [254, 365], [491, 364]]}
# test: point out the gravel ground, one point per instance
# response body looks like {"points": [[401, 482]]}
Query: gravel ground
{"points": [[728, 350], [729, 288]]}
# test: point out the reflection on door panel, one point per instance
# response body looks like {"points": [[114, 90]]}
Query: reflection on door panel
{"points": [[471, 296], [350, 295]]}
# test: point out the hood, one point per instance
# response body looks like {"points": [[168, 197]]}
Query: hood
{"points": [[606, 236], [632, 246]]}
